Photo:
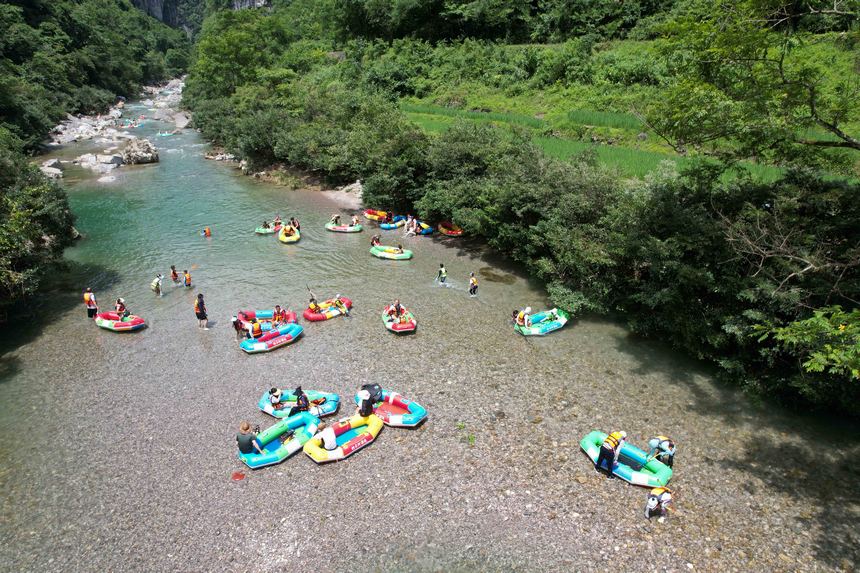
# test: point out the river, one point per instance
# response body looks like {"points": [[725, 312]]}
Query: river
{"points": [[118, 450]]}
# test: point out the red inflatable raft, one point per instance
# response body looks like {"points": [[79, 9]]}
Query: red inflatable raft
{"points": [[449, 229], [113, 321], [328, 310]]}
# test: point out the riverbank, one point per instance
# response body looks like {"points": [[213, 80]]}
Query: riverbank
{"points": [[130, 454]]}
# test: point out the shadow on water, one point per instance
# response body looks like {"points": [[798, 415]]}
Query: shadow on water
{"points": [[60, 292], [816, 465]]}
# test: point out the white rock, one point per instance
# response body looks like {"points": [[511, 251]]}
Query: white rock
{"points": [[112, 158], [52, 172], [106, 179], [53, 163]]}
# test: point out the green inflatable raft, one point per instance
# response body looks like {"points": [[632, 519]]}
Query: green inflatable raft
{"points": [[392, 253], [632, 466]]}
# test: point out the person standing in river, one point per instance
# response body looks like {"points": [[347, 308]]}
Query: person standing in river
{"points": [[90, 302], [200, 312], [609, 451], [473, 285], [442, 275]]}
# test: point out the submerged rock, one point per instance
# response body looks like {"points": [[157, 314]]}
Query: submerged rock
{"points": [[139, 151]]}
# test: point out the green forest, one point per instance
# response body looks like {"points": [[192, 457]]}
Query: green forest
{"points": [[59, 57], [688, 166]]}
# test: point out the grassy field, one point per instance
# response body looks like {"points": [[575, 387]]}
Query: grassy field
{"points": [[628, 161]]}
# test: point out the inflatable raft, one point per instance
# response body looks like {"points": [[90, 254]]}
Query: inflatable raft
{"points": [[284, 238], [300, 429], [322, 403], [385, 252], [397, 411], [396, 222], [425, 229], [343, 228], [631, 465], [543, 322], [329, 310], [351, 434], [112, 321], [267, 230], [374, 215], [449, 229], [281, 335], [403, 325]]}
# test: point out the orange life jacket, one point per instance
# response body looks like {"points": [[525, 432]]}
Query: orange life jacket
{"points": [[613, 440], [174, 275], [187, 279], [197, 305], [207, 232], [89, 300], [256, 330], [280, 316]]}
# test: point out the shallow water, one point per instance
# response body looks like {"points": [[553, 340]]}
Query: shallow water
{"points": [[117, 446]]}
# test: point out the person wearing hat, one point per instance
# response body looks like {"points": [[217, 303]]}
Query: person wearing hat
{"points": [[275, 398], [659, 503], [120, 308], [365, 404], [662, 448], [155, 285], [302, 402], [609, 451], [246, 439], [90, 302]]}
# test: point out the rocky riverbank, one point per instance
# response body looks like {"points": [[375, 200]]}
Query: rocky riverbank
{"points": [[113, 129]]}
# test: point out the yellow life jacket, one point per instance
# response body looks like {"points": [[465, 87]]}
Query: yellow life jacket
{"points": [[88, 298], [197, 305], [473, 281], [613, 440], [658, 491], [257, 330]]}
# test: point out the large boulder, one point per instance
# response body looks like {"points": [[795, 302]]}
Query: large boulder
{"points": [[181, 120], [110, 158], [53, 163], [140, 151], [52, 172]]}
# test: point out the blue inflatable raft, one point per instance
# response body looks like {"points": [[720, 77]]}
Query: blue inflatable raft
{"points": [[395, 410], [300, 429], [396, 222], [322, 403], [632, 466]]}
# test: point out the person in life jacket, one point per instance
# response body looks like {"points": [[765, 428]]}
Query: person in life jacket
{"points": [[662, 448], [335, 219], [295, 223], [266, 225], [187, 276], [522, 317], [609, 451], [207, 232], [120, 308], [375, 241], [277, 220], [200, 312], [396, 309], [174, 276], [155, 285], [473, 285], [90, 302], [354, 220], [442, 275], [312, 304], [340, 305], [255, 328], [280, 315], [302, 402], [659, 503]]}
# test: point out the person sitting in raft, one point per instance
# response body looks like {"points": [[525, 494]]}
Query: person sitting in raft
{"points": [[375, 241], [396, 309], [388, 217], [302, 402], [289, 231], [335, 219], [155, 285], [187, 276], [174, 276], [295, 223], [354, 221], [120, 308], [275, 398], [399, 249], [255, 329], [246, 439], [662, 448], [279, 316], [340, 304], [326, 433], [609, 451], [522, 317], [266, 225], [365, 404], [659, 503], [312, 304], [277, 220]]}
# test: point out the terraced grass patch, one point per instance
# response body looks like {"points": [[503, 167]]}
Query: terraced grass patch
{"points": [[605, 119]]}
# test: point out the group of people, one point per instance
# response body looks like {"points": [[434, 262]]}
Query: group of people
{"points": [[337, 302], [412, 226], [254, 328], [335, 220], [368, 396], [661, 448]]}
